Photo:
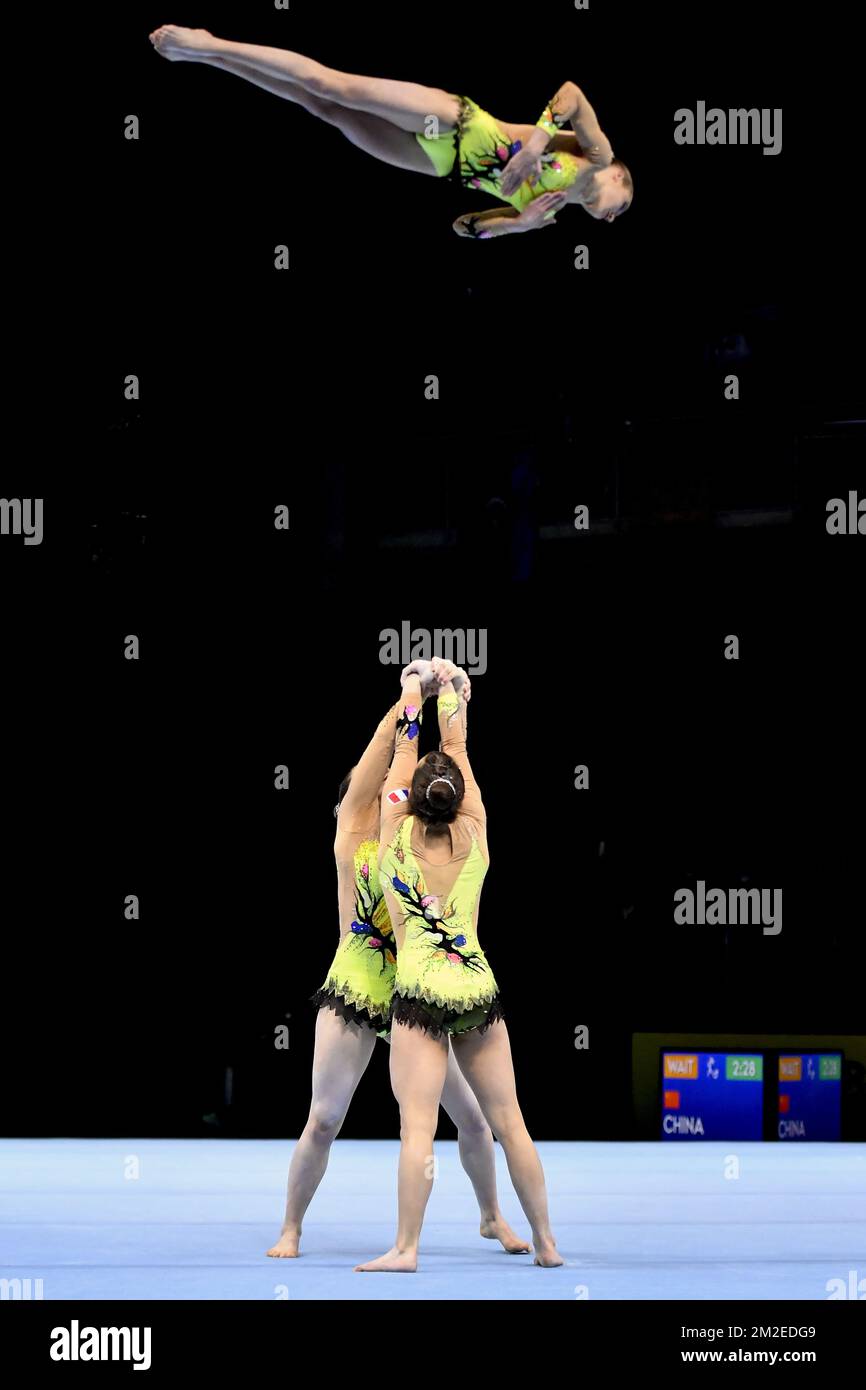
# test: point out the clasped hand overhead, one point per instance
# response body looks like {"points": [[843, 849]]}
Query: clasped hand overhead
{"points": [[435, 673]]}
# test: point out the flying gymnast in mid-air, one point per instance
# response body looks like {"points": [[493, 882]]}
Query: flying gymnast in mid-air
{"points": [[536, 169]]}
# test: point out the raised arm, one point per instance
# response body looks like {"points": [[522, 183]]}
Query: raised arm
{"points": [[462, 689], [405, 759], [366, 783], [568, 107], [451, 710]]}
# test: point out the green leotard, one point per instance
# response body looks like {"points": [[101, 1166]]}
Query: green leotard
{"points": [[443, 981], [360, 980], [485, 150]]}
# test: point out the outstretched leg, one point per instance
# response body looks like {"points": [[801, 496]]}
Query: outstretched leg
{"points": [[372, 134], [339, 1061], [407, 105], [485, 1060], [477, 1154]]}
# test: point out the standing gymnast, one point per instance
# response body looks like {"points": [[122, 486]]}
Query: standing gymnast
{"points": [[355, 1001], [537, 169], [432, 862]]}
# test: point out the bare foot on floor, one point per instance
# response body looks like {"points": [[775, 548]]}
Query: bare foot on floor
{"points": [[499, 1229], [286, 1247], [395, 1262], [176, 44], [547, 1255]]}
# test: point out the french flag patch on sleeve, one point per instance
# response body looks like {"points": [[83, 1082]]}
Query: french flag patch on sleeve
{"points": [[396, 797]]}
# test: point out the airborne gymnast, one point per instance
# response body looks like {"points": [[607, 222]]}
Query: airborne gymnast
{"points": [[564, 159]]}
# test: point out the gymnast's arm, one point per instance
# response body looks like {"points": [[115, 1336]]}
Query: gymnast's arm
{"points": [[405, 759], [366, 783], [502, 222], [472, 224], [452, 735], [570, 106], [462, 689]]}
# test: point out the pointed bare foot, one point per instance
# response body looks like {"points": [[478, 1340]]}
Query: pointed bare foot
{"points": [[498, 1229], [547, 1255], [395, 1262], [286, 1247], [177, 44]]}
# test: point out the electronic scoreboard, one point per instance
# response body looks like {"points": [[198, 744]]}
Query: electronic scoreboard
{"points": [[809, 1101], [781, 1094], [712, 1095]]}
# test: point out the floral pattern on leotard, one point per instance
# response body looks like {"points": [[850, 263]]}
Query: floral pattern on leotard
{"points": [[369, 935], [419, 904], [359, 985], [474, 169], [478, 172], [409, 723]]}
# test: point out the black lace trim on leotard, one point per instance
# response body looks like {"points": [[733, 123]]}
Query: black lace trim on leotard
{"points": [[463, 119], [435, 1020], [352, 1013]]}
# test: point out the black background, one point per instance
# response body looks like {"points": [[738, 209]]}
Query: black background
{"points": [[558, 387]]}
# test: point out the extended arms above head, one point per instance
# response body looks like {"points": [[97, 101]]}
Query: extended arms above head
{"points": [[445, 672], [366, 783], [406, 738], [433, 673], [451, 710]]}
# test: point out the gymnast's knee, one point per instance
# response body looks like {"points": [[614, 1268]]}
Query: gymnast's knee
{"points": [[325, 1122], [417, 1126], [508, 1124], [328, 85], [472, 1126]]}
